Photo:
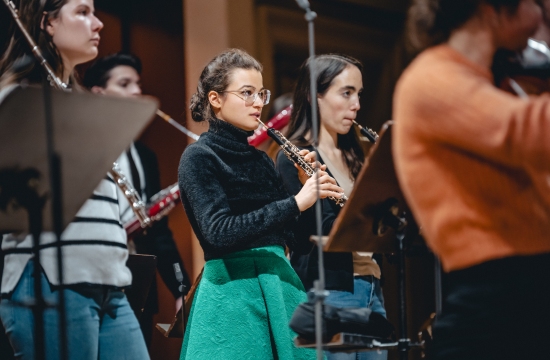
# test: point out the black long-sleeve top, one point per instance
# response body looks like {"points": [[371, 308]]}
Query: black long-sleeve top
{"points": [[158, 240], [338, 265], [233, 195]]}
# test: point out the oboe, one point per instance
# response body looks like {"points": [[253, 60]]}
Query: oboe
{"points": [[368, 133], [293, 154]]}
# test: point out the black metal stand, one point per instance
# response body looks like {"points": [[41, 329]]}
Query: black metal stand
{"points": [[438, 286], [57, 213], [404, 343], [319, 291], [355, 342], [181, 289], [38, 305], [18, 185]]}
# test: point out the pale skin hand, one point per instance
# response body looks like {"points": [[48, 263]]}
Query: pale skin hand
{"points": [[327, 185], [309, 156]]}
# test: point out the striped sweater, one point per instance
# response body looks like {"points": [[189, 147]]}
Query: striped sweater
{"points": [[94, 246]]}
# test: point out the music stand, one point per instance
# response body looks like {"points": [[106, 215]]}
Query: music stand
{"points": [[376, 219], [143, 268], [89, 132], [375, 200], [176, 329]]}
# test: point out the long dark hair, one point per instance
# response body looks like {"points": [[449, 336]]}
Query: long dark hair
{"points": [[34, 15], [430, 22], [327, 67], [216, 76]]}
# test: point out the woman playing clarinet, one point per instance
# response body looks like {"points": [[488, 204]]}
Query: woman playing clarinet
{"points": [[353, 279], [243, 218]]}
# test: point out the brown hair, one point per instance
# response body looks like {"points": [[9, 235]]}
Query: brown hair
{"points": [[430, 22], [328, 67], [34, 15], [216, 77]]}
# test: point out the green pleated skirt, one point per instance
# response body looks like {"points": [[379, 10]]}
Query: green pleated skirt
{"points": [[242, 308]]}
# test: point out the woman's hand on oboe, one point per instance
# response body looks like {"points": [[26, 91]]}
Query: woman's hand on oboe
{"points": [[327, 187], [309, 157]]}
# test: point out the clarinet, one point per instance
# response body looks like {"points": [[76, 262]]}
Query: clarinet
{"points": [[292, 153]]}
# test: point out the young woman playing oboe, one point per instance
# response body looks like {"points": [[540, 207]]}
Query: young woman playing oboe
{"points": [[243, 218], [353, 279]]}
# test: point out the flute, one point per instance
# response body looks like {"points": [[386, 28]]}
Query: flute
{"points": [[164, 116], [54, 80]]}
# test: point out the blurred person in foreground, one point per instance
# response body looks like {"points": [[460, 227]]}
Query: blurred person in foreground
{"points": [[472, 161]]}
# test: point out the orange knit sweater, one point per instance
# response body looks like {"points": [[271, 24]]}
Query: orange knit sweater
{"points": [[473, 161]]}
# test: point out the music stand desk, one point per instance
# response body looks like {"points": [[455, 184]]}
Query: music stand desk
{"points": [[89, 131], [144, 269], [83, 135], [376, 219], [362, 225], [176, 329], [347, 342]]}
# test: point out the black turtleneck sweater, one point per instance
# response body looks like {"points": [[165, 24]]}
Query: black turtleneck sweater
{"points": [[233, 195]]}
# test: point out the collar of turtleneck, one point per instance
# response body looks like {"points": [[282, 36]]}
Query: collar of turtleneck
{"points": [[230, 135]]}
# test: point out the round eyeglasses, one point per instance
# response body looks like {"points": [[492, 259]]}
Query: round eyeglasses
{"points": [[249, 97]]}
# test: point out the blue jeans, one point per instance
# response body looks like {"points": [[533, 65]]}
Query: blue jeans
{"points": [[366, 293], [100, 322]]}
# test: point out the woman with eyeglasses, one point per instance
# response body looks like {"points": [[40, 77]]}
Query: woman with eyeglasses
{"points": [[243, 218], [100, 324]]}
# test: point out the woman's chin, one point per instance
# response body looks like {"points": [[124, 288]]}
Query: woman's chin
{"points": [[246, 126], [251, 126], [344, 130], [88, 55]]}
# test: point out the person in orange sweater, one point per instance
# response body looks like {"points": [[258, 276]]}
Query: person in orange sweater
{"points": [[474, 164]]}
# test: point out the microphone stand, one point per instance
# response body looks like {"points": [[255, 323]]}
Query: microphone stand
{"points": [[54, 163], [319, 291]]}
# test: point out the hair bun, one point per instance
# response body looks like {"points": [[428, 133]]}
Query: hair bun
{"points": [[216, 77], [197, 108]]}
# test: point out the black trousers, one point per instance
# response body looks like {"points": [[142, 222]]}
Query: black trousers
{"points": [[496, 310]]}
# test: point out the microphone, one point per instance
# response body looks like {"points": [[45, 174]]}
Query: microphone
{"points": [[181, 288], [179, 276], [304, 4]]}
